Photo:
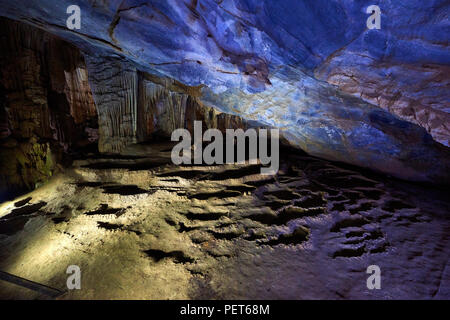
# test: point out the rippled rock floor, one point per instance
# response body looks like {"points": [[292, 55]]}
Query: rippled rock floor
{"points": [[142, 228]]}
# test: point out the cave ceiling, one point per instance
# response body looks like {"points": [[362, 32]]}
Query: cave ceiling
{"points": [[373, 98]]}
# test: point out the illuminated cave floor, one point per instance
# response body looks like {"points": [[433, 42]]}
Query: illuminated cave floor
{"points": [[139, 229]]}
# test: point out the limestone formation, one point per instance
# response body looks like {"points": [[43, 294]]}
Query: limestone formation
{"points": [[46, 105], [287, 64]]}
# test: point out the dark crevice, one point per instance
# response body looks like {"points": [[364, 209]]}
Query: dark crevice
{"points": [[219, 194], [177, 256], [105, 210], [27, 210], [300, 235], [124, 190], [349, 253], [22, 202], [205, 216], [350, 222]]}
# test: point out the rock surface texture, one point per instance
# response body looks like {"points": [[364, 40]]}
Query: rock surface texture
{"points": [[86, 116], [46, 105], [142, 229], [134, 106], [51, 106], [294, 64]]}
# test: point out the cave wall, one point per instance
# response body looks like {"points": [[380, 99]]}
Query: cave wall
{"points": [[48, 112], [422, 99], [288, 64], [46, 105], [135, 106], [114, 87], [165, 105], [402, 68]]}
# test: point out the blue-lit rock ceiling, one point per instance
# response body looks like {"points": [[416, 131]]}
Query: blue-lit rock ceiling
{"points": [[374, 98]]}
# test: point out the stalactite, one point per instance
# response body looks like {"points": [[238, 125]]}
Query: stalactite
{"points": [[114, 86], [134, 106], [46, 104]]}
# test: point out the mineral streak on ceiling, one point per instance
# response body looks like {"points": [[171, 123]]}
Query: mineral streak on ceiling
{"points": [[293, 64]]}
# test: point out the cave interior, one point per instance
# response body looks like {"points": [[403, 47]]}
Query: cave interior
{"points": [[87, 177]]}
